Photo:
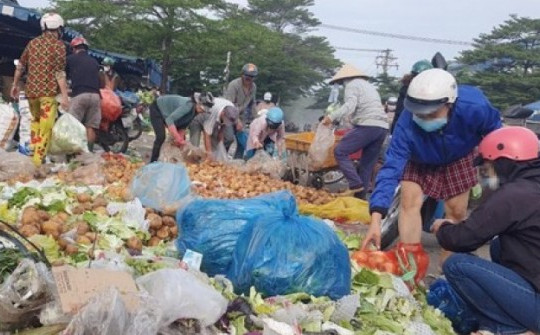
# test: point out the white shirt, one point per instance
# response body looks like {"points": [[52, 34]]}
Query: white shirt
{"points": [[215, 114]]}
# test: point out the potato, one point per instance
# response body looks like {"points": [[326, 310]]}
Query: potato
{"points": [[43, 215], [149, 211], [51, 228], [30, 215], [163, 233], [91, 236], [100, 202], [134, 243], [62, 243], [87, 206], [71, 249], [84, 197], [82, 228], [29, 230], [173, 231], [59, 218], [77, 210], [154, 241], [169, 221], [155, 221], [101, 211], [83, 240], [63, 215]]}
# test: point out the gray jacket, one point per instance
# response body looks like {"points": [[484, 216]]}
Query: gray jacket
{"points": [[362, 104]]}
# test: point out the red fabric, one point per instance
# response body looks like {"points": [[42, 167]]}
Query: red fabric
{"points": [[443, 182], [111, 107]]}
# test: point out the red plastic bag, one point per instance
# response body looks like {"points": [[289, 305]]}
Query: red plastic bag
{"points": [[111, 107], [407, 260]]}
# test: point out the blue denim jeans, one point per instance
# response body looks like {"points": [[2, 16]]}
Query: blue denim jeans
{"points": [[504, 302]]}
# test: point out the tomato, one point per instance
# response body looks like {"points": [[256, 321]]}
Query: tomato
{"points": [[389, 267], [361, 256]]}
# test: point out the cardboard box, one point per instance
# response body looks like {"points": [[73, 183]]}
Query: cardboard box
{"points": [[77, 286]]}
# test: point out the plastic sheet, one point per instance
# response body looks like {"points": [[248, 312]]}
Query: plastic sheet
{"points": [[14, 165], [24, 125], [342, 209], [164, 187], [181, 295], [212, 227], [9, 121], [283, 252], [322, 145], [68, 136]]}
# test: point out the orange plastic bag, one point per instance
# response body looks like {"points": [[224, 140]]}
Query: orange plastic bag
{"points": [[111, 107], [409, 261]]}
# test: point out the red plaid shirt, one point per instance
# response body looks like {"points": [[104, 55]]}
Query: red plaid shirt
{"points": [[43, 57]]}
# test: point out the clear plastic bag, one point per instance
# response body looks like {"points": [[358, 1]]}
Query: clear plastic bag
{"points": [[322, 145], [181, 295], [188, 153], [165, 187], [9, 120], [24, 292], [14, 165], [220, 154], [262, 162], [68, 136]]}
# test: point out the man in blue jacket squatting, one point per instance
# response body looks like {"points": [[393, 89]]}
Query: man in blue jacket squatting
{"points": [[431, 153]]}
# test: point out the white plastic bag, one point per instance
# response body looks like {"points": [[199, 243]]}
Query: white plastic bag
{"points": [[181, 295], [262, 162], [68, 136], [24, 125], [220, 154], [322, 145], [8, 124]]}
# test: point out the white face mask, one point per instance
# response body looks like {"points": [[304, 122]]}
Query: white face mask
{"points": [[107, 68], [492, 183]]}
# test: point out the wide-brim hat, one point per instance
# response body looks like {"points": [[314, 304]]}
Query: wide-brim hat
{"points": [[347, 71]]}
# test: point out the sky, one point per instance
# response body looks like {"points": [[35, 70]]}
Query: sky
{"points": [[461, 20]]}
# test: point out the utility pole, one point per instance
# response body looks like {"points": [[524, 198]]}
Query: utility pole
{"points": [[386, 60]]}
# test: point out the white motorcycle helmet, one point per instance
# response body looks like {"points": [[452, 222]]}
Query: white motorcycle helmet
{"points": [[430, 90], [51, 21]]}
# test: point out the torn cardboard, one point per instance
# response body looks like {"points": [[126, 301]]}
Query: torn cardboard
{"points": [[77, 286]]}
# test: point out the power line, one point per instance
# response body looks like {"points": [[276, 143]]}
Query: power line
{"points": [[357, 49], [398, 36]]}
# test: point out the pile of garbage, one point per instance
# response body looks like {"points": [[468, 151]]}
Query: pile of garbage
{"points": [[107, 245]]}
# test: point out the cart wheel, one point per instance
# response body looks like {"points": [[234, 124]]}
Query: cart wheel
{"points": [[317, 182]]}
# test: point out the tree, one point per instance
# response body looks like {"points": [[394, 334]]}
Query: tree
{"points": [[506, 62], [387, 86], [281, 14], [151, 27]]}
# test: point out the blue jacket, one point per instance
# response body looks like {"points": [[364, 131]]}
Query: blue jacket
{"points": [[471, 118]]}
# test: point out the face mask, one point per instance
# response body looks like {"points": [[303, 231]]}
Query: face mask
{"points": [[492, 183], [107, 68], [430, 125]]}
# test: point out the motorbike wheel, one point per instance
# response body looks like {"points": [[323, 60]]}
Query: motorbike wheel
{"points": [[118, 139], [389, 225], [136, 129]]}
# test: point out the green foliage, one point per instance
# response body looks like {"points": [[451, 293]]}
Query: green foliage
{"points": [[191, 38], [510, 62], [387, 86]]}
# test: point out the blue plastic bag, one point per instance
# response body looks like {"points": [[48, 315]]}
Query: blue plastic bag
{"points": [[212, 227], [442, 296], [162, 186], [286, 253]]}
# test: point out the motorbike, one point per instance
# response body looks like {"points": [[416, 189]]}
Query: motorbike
{"points": [[132, 118]]}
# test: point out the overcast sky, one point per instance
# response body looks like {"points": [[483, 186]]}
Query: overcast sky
{"points": [[460, 20]]}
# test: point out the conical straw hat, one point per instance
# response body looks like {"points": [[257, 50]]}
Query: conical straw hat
{"points": [[347, 71]]}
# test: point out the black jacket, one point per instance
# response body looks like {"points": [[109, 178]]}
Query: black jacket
{"points": [[83, 70], [513, 214]]}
